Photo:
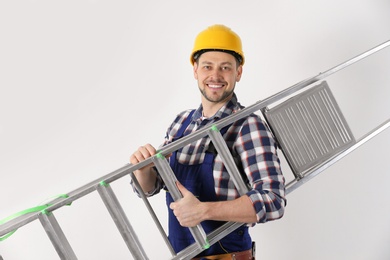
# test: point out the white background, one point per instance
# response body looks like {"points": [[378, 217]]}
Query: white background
{"points": [[84, 83]]}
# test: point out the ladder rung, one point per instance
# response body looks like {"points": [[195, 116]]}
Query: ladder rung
{"points": [[227, 159], [152, 213], [57, 236], [121, 221], [169, 179]]}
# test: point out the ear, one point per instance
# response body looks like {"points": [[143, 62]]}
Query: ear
{"points": [[239, 73], [195, 70]]}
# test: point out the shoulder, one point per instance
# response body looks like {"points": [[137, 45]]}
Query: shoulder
{"points": [[177, 122], [250, 123], [182, 116], [249, 128]]}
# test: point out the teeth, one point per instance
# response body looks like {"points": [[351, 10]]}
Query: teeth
{"points": [[215, 86]]}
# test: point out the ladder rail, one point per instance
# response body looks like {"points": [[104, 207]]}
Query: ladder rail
{"points": [[203, 241], [90, 187], [24, 219]]}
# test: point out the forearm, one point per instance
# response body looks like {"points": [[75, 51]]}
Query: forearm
{"points": [[189, 211], [238, 210], [146, 176], [146, 179]]}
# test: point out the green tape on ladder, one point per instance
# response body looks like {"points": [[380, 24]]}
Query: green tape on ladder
{"points": [[160, 156], [45, 212], [215, 128], [40, 208], [207, 246], [104, 184]]}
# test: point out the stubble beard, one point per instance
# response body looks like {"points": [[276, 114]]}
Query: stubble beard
{"points": [[223, 97]]}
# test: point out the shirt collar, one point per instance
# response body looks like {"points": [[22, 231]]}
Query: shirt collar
{"points": [[228, 108]]}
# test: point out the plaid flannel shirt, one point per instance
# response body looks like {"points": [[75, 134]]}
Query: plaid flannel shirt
{"points": [[254, 143]]}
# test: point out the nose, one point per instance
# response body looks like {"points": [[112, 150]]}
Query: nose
{"points": [[215, 74]]}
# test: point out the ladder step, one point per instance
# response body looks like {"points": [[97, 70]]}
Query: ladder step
{"points": [[152, 213], [57, 236], [121, 221], [227, 158], [170, 180]]}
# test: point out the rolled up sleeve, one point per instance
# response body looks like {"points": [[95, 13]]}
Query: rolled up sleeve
{"points": [[258, 152]]}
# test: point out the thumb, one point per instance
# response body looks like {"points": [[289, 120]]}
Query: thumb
{"points": [[182, 189]]}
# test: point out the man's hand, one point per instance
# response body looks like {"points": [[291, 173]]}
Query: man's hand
{"points": [[188, 210], [145, 175], [143, 153]]}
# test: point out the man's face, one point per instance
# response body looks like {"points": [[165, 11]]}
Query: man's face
{"points": [[217, 74]]}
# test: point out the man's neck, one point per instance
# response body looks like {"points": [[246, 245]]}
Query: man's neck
{"points": [[210, 111], [210, 108]]}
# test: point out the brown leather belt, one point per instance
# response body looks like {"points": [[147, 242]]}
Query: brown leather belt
{"points": [[244, 255]]}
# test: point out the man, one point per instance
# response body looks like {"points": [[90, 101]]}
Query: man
{"points": [[209, 196]]}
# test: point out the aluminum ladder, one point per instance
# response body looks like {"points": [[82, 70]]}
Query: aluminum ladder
{"points": [[317, 137]]}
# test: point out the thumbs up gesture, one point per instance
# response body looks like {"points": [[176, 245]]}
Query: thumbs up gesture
{"points": [[188, 210]]}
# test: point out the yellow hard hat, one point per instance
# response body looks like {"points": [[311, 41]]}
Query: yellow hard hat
{"points": [[218, 38]]}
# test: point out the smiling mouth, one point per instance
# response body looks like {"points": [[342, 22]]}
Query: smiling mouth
{"points": [[214, 86]]}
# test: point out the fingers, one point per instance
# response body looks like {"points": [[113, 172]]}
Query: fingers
{"points": [[186, 209], [142, 153]]}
